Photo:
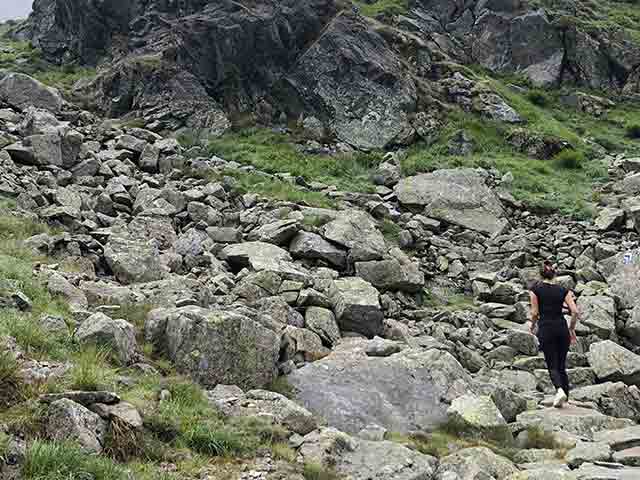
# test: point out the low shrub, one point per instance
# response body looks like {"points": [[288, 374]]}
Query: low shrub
{"points": [[569, 159], [633, 131]]}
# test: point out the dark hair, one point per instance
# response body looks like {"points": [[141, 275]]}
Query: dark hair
{"points": [[548, 271]]}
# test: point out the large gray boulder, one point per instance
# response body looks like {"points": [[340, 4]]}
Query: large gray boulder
{"points": [[632, 327], [398, 273], [403, 392], [21, 91], [119, 335], [590, 471], [323, 322], [612, 362], [368, 110], [622, 272], [134, 261], [215, 346], [263, 257], [358, 459], [70, 421], [598, 313], [357, 231], [477, 416], [460, 197], [356, 304], [312, 246], [612, 398]]}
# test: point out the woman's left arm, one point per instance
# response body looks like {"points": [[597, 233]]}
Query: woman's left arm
{"points": [[535, 312]]}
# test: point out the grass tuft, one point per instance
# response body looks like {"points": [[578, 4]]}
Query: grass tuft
{"points": [[10, 381], [91, 371], [313, 471], [62, 461], [569, 160]]}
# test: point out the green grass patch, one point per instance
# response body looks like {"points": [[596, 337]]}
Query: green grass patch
{"points": [[278, 190], [22, 57], [282, 451], [187, 420], [633, 131], [91, 370], [313, 471], [390, 230], [383, 7], [65, 461], [10, 381], [273, 152], [569, 160]]}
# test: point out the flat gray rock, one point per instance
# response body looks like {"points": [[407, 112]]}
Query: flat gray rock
{"points": [[612, 362], [402, 392], [460, 197], [359, 459]]}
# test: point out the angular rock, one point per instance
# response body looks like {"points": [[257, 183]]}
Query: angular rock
{"points": [[620, 439], [391, 275], [477, 416], [134, 261], [118, 335], [356, 304], [313, 246], [598, 313], [70, 421], [357, 231], [216, 346], [612, 362], [571, 419], [588, 452], [622, 272], [460, 197], [362, 459], [233, 402], [122, 412], [22, 91], [278, 233], [323, 322], [402, 392], [467, 463]]}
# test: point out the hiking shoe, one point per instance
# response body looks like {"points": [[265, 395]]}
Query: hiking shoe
{"points": [[560, 399]]}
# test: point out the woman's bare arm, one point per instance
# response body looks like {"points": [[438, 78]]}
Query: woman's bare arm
{"points": [[535, 311], [573, 308]]}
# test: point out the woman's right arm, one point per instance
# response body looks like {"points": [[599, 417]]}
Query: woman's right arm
{"points": [[535, 312]]}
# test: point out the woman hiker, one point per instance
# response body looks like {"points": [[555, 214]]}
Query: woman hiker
{"points": [[554, 335]]}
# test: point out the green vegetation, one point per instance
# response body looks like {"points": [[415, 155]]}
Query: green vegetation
{"points": [[187, 421], [272, 152], [382, 7], [22, 57], [313, 471], [616, 17], [569, 159], [390, 230], [450, 438], [10, 381], [91, 370], [633, 131], [282, 451], [4, 445], [57, 461]]}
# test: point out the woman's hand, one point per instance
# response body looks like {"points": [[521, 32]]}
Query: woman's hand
{"points": [[532, 328]]}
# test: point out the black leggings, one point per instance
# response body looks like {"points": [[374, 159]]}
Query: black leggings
{"points": [[555, 351]]}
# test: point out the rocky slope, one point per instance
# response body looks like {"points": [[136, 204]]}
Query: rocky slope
{"points": [[368, 82], [241, 293]]}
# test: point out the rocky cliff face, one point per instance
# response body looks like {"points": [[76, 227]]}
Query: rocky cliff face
{"points": [[365, 80]]}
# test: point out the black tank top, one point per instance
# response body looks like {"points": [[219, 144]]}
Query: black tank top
{"points": [[550, 300]]}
